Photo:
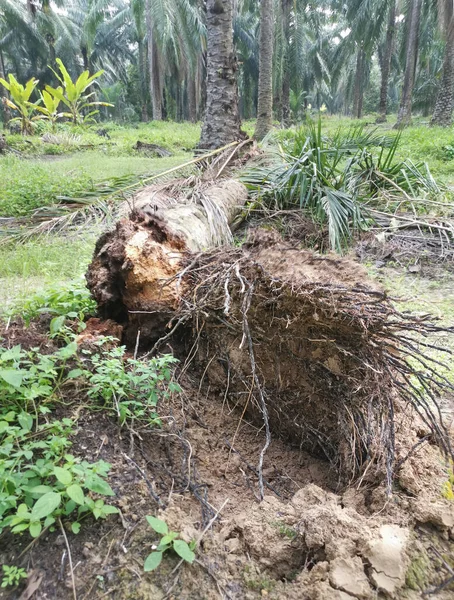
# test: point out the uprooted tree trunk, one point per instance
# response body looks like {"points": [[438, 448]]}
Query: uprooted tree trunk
{"points": [[306, 344], [133, 275]]}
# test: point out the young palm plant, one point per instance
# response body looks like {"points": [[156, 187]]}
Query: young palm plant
{"points": [[335, 179]]}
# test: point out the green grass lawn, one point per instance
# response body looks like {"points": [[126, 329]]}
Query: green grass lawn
{"points": [[46, 171], [30, 267]]}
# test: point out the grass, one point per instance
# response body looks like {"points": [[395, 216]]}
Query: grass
{"points": [[175, 137], [424, 294], [418, 143], [46, 171], [29, 268]]}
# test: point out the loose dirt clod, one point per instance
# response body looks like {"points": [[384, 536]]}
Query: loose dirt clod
{"points": [[386, 555]]}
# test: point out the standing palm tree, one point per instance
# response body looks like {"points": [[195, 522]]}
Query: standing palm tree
{"points": [[445, 98], [385, 63], [414, 15], [153, 66], [265, 93], [221, 123]]}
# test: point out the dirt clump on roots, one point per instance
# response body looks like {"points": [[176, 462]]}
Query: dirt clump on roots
{"points": [[312, 350]]}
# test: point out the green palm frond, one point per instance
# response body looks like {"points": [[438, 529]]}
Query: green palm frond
{"points": [[335, 179]]}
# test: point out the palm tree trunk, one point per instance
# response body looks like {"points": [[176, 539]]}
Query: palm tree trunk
{"points": [[404, 114], [221, 123], [359, 84], [6, 115], [192, 97], [285, 99], [142, 80], [153, 65], [444, 105], [265, 90], [386, 63], [84, 51]]}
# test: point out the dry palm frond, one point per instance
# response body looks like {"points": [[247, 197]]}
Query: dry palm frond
{"points": [[97, 205]]}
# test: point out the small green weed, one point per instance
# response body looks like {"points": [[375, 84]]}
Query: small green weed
{"points": [[39, 481], [448, 487], [285, 530], [67, 301], [131, 388], [12, 576], [448, 152], [170, 540]]}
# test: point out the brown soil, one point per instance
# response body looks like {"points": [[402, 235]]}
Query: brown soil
{"points": [[311, 538], [303, 542]]}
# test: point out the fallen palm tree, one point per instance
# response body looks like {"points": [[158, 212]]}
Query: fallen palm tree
{"points": [[306, 344]]}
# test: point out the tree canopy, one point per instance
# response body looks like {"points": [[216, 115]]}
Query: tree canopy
{"points": [[352, 58]]}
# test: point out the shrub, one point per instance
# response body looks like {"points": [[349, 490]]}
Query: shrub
{"points": [[39, 481]]}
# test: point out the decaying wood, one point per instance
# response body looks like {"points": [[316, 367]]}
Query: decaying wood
{"points": [[146, 250], [152, 148]]}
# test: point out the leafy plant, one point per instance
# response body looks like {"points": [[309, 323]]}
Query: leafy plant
{"points": [[73, 95], [170, 541], [55, 490], [334, 178], [12, 576], [39, 481], [448, 152], [20, 103], [69, 301], [49, 110], [131, 388]]}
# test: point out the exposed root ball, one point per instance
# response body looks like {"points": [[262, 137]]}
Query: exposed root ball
{"points": [[306, 344], [312, 349]]}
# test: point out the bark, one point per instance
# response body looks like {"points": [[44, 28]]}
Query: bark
{"points": [[285, 99], [86, 62], [192, 98], [359, 84], [142, 80], [131, 263], [444, 105], [6, 114], [265, 89], [221, 123], [385, 63], [404, 114], [153, 66]]}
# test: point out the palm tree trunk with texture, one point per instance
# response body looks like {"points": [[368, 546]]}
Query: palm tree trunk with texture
{"points": [[386, 63], [404, 114], [221, 124], [444, 105], [265, 89]]}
